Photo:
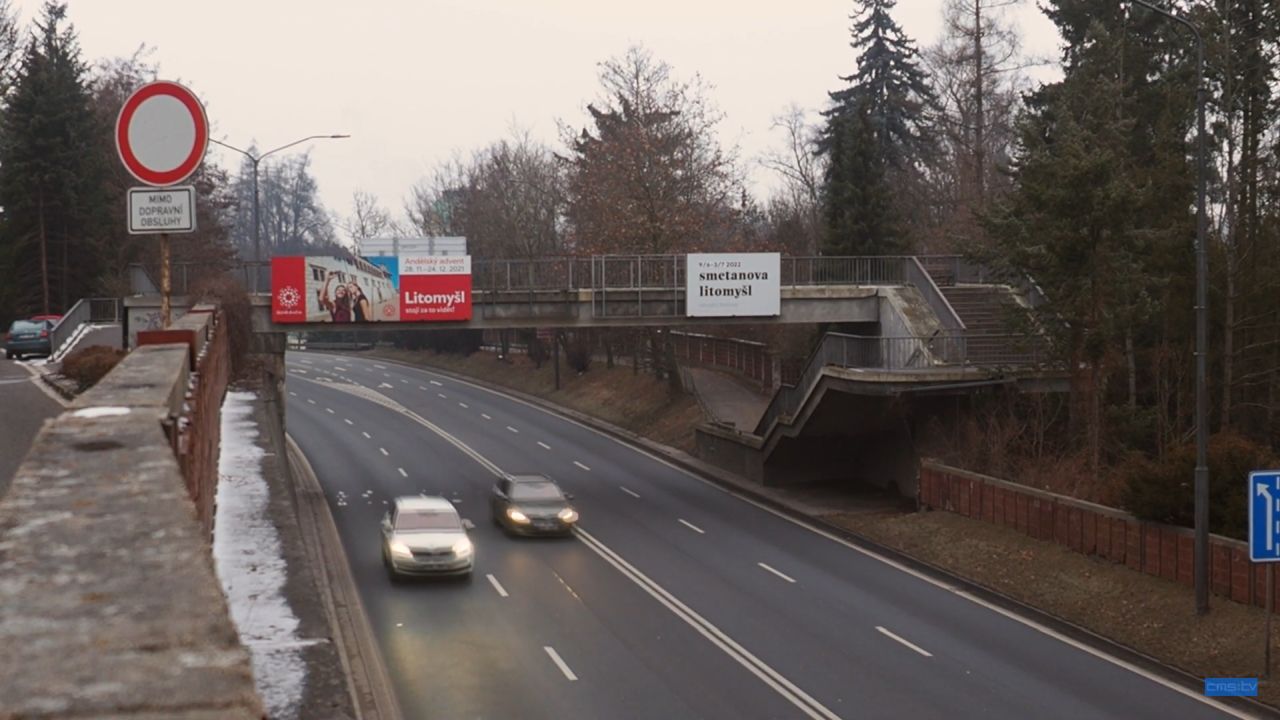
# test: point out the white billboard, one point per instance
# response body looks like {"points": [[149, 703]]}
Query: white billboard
{"points": [[733, 285]]}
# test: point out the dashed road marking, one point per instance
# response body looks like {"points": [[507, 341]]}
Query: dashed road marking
{"points": [[384, 452], [543, 445], [555, 658], [497, 585], [584, 467], [463, 405], [512, 429], [486, 417], [402, 472], [691, 526], [906, 642], [632, 493], [347, 421], [437, 384], [784, 576], [329, 410], [367, 435]]}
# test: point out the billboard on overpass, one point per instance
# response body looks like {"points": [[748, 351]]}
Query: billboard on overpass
{"points": [[733, 284], [340, 290]]}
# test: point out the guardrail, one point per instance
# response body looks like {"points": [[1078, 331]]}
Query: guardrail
{"points": [[86, 310], [916, 275]]}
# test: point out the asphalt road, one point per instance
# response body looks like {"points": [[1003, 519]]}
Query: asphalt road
{"points": [[675, 600], [23, 408]]}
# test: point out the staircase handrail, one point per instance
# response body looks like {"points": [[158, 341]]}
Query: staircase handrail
{"points": [[84, 310]]}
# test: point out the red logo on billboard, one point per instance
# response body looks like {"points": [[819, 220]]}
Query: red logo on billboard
{"points": [[288, 289], [435, 298]]}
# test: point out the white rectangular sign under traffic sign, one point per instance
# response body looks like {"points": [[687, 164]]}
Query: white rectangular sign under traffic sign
{"points": [[162, 210]]}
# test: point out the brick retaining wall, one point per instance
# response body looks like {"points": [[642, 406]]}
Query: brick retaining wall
{"points": [[1166, 551]]}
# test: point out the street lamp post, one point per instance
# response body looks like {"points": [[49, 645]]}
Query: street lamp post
{"points": [[254, 160], [1202, 309]]}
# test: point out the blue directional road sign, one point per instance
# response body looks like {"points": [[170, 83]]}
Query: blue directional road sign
{"points": [[1264, 516]]}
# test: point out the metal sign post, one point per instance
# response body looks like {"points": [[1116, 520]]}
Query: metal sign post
{"points": [[162, 134], [1264, 541]]}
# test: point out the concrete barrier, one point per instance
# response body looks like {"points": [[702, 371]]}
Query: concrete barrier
{"points": [[109, 604]]}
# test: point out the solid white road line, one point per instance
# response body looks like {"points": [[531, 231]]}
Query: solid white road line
{"points": [[384, 452], [543, 445], [908, 643], [345, 420], [555, 658], [632, 493], [584, 467], [463, 405], [402, 472], [775, 680], [367, 435], [775, 572], [691, 526], [512, 429], [497, 585], [486, 417]]}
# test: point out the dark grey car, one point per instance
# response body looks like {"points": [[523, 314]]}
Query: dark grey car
{"points": [[532, 505], [27, 337]]}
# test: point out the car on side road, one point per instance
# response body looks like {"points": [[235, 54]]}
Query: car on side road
{"points": [[28, 337], [532, 505], [423, 535]]}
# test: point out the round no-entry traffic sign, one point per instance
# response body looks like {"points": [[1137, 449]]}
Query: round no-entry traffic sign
{"points": [[162, 133]]}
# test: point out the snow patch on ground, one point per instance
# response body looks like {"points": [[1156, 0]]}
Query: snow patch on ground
{"points": [[250, 564]]}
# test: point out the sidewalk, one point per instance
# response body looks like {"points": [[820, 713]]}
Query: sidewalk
{"points": [[728, 399]]}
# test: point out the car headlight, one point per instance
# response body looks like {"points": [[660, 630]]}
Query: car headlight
{"points": [[568, 515], [517, 516], [462, 547], [399, 548]]}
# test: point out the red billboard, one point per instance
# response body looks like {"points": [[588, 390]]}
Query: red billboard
{"points": [[330, 289]]}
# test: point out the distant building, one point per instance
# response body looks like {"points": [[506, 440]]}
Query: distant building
{"points": [[397, 246]]}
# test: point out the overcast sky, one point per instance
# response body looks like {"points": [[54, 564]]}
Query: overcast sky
{"points": [[414, 80]]}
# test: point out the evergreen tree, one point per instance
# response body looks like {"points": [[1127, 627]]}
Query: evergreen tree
{"points": [[52, 185], [880, 124]]}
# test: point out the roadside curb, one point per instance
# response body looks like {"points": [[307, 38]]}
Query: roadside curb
{"points": [[367, 677], [759, 494]]}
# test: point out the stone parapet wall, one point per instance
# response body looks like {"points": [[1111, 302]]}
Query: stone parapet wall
{"points": [[109, 603]]}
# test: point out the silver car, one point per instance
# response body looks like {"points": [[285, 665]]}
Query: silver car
{"points": [[423, 535]]}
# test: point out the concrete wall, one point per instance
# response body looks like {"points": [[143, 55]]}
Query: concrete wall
{"points": [[1153, 548], [109, 604]]}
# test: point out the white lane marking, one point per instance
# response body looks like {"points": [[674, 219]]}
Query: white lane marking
{"points": [[463, 405], [367, 435], [446, 397], [339, 369], [775, 680], [384, 452], [421, 388], [486, 417], [406, 382], [555, 658], [307, 362], [402, 472], [329, 410], [437, 384], [512, 429], [497, 585], [543, 445], [906, 642], [385, 385], [345, 420], [632, 493], [775, 572], [584, 467], [293, 394], [691, 526], [313, 402], [380, 367]]}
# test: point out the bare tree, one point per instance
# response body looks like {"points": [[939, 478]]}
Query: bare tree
{"points": [[976, 68], [367, 221], [795, 210]]}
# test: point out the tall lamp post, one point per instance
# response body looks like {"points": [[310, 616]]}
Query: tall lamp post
{"points": [[1202, 309], [255, 160]]}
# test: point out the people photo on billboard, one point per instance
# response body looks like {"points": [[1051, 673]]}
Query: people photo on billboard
{"points": [[340, 290]]}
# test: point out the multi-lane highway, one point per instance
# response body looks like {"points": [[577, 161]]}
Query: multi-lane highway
{"points": [[675, 599]]}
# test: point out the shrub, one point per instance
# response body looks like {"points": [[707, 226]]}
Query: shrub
{"points": [[89, 365], [1162, 490], [538, 351]]}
